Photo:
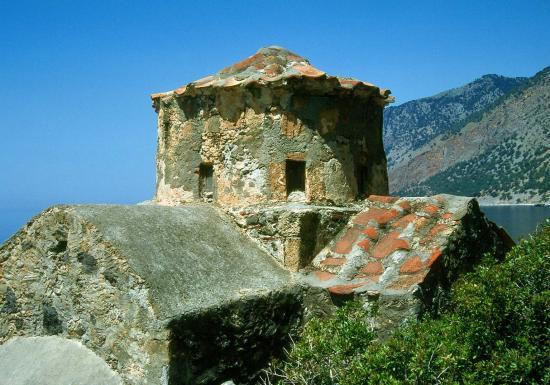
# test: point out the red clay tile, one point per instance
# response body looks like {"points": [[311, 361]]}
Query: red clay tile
{"points": [[436, 253], [383, 198], [412, 265], [344, 244], [430, 209], [373, 278], [389, 244], [324, 275], [447, 216], [292, 66], [372, 268], [345, 289], [273, 70], [348, 83], [364, 244], [333, 261], [404, 222], [371, 232], [180, 90], [381, 216], [308, 70], [294, 57], [242, 64], [438, 228]]}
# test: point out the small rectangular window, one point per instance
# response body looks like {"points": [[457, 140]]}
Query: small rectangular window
{"points": [[295, 176], [361, 174], [206, 180]]}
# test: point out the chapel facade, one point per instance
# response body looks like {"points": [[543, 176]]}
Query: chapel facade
{"points": [[271, 128]]}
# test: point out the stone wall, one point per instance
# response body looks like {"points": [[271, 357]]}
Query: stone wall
{"points": [[248, 134], [135, 284], [293, 233], [234, 341]]}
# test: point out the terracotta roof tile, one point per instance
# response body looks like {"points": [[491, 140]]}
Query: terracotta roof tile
{"points": [[275, 64], [333, 261], [345, 289], [323, 275]]}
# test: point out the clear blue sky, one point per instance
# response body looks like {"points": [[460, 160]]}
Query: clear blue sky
{"points": [[76, 121]]}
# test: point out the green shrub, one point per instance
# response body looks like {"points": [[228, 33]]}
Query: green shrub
{"points": [[496, 331], [326, 348]]}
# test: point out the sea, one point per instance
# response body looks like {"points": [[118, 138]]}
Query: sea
{"points": [[518, 220]]}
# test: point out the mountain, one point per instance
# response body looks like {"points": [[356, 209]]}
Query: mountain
{"points": [[489, 138]]}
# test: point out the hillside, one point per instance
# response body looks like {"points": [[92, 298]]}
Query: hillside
{"points": [[489, 139]]}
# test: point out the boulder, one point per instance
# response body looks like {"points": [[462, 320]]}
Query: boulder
{"points": [[52, 360]]}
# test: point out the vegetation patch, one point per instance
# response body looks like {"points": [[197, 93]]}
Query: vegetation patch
{"points": [[493, 330]]}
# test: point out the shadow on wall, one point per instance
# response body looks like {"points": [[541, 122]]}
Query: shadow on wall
{"points": [[235, 341], [352, 128]]}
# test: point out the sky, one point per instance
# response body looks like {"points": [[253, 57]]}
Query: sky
{"points": [[76, 122]]}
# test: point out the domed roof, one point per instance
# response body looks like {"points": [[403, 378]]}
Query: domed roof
{"points": [[274, 67]]}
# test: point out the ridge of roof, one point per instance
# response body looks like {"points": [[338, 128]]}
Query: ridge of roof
{"points": [[273, 66]]}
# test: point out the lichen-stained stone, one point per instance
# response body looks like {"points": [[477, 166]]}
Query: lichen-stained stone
{"points": [[123, 280], [276, 172], [292, 255], [249, 119], [293, 233], [291, 125], [402, 251]]}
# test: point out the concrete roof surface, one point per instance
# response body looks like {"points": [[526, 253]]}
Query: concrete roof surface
{"points": [[190, 257]]}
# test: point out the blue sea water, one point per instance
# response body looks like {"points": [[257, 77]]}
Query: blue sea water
{"points": [[518, 220]]}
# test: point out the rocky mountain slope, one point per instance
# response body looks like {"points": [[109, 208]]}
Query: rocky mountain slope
{"points": [[489, 138]]}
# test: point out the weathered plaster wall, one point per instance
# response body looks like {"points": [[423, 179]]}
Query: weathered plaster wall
{"points": [[247, 134]]}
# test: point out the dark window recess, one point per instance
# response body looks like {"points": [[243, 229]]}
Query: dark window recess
{"points": [[206, 180], [295, 176], [362, 181]]}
